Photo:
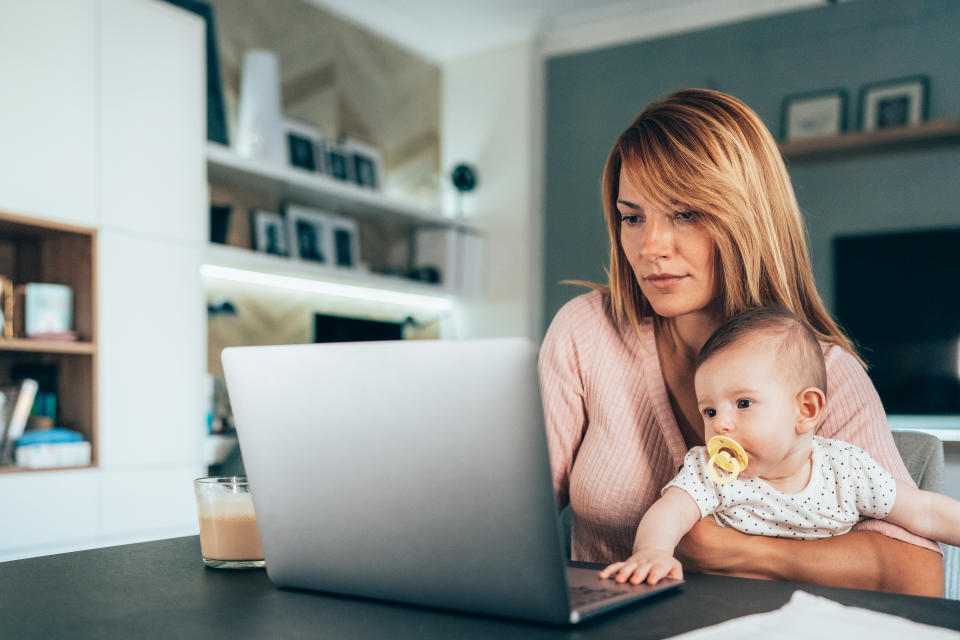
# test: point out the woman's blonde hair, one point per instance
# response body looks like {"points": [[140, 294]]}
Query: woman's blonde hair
{"points": [[708, 152]]}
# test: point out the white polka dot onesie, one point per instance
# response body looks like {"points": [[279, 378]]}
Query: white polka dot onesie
{"points": [[845, 484]]}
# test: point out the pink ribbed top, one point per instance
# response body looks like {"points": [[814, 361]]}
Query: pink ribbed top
{"points": [[614, 440]]}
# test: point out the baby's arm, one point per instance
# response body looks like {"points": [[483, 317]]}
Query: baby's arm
{"points": [[661, 528], [927, 514]]}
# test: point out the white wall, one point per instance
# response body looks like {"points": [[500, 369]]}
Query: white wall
{"points": [[48, 128], [492, 119], [107, 130]]}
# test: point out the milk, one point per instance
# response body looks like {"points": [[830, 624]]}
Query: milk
{"points": [[228, 528]]}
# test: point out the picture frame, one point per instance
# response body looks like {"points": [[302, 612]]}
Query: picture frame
{"points": [[893, 103], [366, 164], [303, 143], [269, 233], [310, 232], [815, 114], [219, 222], [338, 162], [345, 243]]}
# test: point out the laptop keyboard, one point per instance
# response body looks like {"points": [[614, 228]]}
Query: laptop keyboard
{"points": [[583, 596]]}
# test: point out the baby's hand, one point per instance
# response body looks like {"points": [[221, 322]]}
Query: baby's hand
{"points": [[649, 564]]}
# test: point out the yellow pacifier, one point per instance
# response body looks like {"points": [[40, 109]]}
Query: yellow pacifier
{"points": [[726, 454]]}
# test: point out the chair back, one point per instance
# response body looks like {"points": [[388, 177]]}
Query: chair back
{"points": [[922, 453]]}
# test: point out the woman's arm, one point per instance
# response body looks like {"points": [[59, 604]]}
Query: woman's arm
{"points": [[560, 366], [855, 560]]}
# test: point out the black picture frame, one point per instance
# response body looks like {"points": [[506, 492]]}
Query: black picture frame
{"points": [[365, 171], [308, 246], [338, 163], [216, 112], [269, 233], [310, 234], [345, 243], [301, 152], [366, 163], [813, 114], [219, 222], [898, 102]]}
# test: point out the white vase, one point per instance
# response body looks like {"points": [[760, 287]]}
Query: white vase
{"points": [[260, 117]]}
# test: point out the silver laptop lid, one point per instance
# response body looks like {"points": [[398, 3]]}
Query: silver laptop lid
{"points": [[414, 471]]}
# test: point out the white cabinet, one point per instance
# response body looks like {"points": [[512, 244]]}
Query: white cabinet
{"points": [[152, 347], [48, 508], [102, 124], [48, 102], [153, 183], [162, 500], [153, 121]]}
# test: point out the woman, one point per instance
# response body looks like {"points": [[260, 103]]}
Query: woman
{"points": [[703, 223]]}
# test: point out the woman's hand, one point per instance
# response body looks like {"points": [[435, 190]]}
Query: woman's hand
{"points": [[651, 565]]}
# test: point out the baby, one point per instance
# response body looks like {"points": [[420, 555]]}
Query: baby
{"points": [[761, 381]]}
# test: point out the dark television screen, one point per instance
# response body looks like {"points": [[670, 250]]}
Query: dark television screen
{"points": [[897, 298], [327, 328]]}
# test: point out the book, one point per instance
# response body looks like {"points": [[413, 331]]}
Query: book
{"points": [[48, 308], [3, 416], [6, 309], [52, 448], [17, 418]]}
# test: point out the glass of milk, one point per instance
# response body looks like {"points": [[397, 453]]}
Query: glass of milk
{"points": [[228, 526]]}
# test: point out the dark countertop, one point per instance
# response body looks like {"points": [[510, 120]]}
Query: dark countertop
{"points": [[162, 589]]}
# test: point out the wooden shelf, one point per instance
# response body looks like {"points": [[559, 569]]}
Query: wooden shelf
{"points": [[48, 346], [35, 250], [11, 469], [263, 263], [935, 132], [289, 184]]}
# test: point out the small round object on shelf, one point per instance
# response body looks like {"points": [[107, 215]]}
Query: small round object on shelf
{"points": [[464, 177]]}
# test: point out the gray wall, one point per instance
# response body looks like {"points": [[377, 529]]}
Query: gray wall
{"points": [[591, 97]]}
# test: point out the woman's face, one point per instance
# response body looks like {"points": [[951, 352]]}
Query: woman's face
{"points": [[670, 251]]}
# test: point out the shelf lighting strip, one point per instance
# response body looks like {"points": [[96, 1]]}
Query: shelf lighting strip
{"points": [[436, 303]]}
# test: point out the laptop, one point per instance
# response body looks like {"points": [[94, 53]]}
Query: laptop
{"points": [[410, 471]]}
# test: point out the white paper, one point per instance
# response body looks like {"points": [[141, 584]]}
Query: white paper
{"points": [[808, 616]]}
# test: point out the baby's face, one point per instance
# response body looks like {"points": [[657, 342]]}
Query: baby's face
{"points": [[743, 394]]}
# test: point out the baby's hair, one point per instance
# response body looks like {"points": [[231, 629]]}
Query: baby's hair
{"points": [[797, 346]]}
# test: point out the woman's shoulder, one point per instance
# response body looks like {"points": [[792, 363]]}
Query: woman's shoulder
{"points": [[586, 325], [590, 315], [839, 361], [848, 386], [584, 314], [591, 304]]}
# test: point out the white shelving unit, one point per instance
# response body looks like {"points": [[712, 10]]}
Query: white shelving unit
{"points": [[283, 184], [220, 260], [224, 167]]}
